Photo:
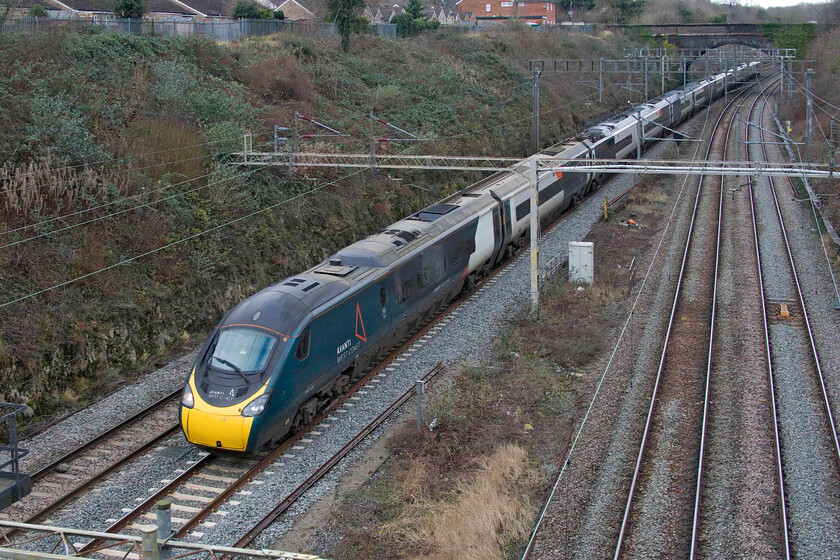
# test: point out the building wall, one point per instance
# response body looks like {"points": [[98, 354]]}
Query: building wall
{"points": [[538, 12]]}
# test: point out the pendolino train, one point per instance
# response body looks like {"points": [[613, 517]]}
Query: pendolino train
{"points": [[280, 355]]}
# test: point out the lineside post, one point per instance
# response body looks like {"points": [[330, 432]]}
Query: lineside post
{"points": [[601, 80], [640, 130], [149, 549], [163, 515], [831, 147], [535, 113], [646, 79], [809, 107], [418, 390], [535, 238]]}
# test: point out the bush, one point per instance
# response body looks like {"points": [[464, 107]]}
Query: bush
{"points": [[37, 11], [59, 129], [408, 26], [252, 10], [718, 18], [129, 9]]}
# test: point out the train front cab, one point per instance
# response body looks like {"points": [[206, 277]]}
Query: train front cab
{"points": [[218, 428]]}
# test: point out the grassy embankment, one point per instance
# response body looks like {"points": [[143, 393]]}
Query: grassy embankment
{"points": [[116, 148]]}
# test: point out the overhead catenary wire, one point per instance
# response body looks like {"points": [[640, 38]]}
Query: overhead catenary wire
{"points": [[134, 156], [819, 228], [175, 243], [126, 210], [41, 186]]}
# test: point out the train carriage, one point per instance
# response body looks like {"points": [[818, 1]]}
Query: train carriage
{"points": [[280, 355]]}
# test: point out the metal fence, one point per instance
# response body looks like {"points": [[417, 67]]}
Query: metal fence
{"points": [[222, 30]]}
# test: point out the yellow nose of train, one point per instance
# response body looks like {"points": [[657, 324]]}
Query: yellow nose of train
{"points": [[215, 427]]}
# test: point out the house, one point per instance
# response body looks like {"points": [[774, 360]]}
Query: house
{"points": [[382, 13], [103, 10], [296, 10], [531, 11]]}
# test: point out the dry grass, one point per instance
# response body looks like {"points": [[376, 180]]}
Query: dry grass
{"points": [[40, 187], [485, 515]]}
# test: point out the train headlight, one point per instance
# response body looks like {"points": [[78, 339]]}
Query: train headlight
{"points": [[187, 399], [256, 406]]}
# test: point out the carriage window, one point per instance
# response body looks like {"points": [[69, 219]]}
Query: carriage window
{"points": [[303, 346], [423, 278], [383, 297], [404, 291]]}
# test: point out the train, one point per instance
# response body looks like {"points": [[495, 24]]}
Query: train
{"points": [[281, 355]]}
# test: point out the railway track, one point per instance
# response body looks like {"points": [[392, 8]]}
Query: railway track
{"points": [[809, 448], [210, 482], [740, 507], [661, 502], [71, 475], [205, 486]]}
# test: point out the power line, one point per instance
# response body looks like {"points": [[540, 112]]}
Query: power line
{"points": [[107, 204], [174, 243], [125, 158], [124, 211]]}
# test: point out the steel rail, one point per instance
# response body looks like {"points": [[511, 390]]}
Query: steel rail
{"points": [[271, 457], [327, 466], [814, 352], [695, 528], [646, 432], [87, 446], [44, 471], [771, 376]]}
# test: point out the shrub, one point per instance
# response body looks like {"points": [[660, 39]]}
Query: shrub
{"points": [[59, 129], [252, 10], [37, 11], [281, 79], [408, 26], [133, 9], [718, 18]]}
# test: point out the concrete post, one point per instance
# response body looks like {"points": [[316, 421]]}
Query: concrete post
{"points": [[831, 147], [163, 514], [418, 390], [601, 80], [789, 79], [640, 131], [535, 238], [662, 75], [647, 96], [149, 549]]}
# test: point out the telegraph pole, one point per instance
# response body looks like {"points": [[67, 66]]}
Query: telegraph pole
{"points": [[535, 238]]}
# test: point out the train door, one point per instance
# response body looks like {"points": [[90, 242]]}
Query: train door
{"points": [[502, 229]]}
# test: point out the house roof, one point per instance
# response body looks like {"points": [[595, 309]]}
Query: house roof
{"points": [[286, 4]]}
